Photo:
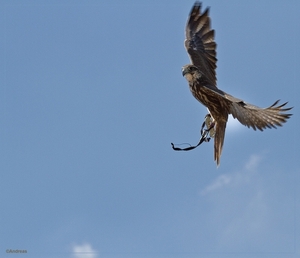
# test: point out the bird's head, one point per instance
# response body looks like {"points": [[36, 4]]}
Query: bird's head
{"points": [[189, 69]]}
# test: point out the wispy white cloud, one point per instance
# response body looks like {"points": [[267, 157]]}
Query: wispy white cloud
{"points": [[234, 179], [218, 183], [83, 251], [243, 211], [253, 162], [238, 206]]}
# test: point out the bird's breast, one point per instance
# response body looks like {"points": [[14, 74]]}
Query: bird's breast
{"points": [[216, 105]]}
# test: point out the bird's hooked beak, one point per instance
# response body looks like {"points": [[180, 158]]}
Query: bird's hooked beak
{"points": [[184, 71]]}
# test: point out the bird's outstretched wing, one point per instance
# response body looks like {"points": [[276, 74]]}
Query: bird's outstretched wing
{"points": [[200, 43], [260, 118], [248, 114]]}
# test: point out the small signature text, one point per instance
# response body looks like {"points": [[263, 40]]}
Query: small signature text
{"points": [[16, 251]]}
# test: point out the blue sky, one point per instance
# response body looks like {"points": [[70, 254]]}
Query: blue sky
{"points": [[92, 95]]}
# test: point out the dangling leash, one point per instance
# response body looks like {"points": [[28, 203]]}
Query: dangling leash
{"points": [[209, 131]]}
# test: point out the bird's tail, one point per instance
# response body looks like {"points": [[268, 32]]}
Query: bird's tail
{"points": [[219, 140]]}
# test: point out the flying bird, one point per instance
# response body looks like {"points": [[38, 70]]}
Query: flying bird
{"points": [[201, 77]]}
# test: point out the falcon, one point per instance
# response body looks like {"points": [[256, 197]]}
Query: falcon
{"points": [[201, 77]]}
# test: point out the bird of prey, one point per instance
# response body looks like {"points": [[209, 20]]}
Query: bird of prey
{"points": [[201, 77]]}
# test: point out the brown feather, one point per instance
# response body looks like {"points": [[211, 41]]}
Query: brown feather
{"points": [[219, 140], [199, 42], [201, 76]]}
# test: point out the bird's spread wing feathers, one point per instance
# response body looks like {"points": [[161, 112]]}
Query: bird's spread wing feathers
{"points": [[201, 48], [251, 115], [200, 43], [201, 76], [260, 118]]}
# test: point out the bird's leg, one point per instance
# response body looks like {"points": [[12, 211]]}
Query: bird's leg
{"points": [[209, 122]]}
